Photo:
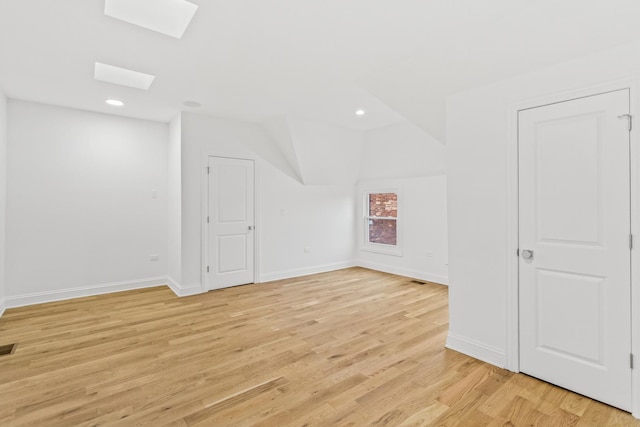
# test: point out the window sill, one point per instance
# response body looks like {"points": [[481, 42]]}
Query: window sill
{"points": [[382, 249]]}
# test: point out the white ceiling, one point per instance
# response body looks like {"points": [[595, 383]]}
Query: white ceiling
{"points": [[314, 59]]}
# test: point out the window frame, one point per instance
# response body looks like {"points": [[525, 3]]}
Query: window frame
{"points": [[381, 248]]}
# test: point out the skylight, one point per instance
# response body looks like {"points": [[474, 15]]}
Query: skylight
{"points": [[115, 102], [122, 76], [170, 17]]}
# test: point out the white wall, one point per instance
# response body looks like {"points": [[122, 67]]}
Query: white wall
{"points": [[295, 217], [477, 138], [3, 195], [174, 201], [202, 136], [81, 207], [423, 229], [80, 213], [281, 238], [404, 157]]}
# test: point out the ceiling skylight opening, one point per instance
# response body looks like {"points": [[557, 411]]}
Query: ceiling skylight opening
{"points": [[122, 76], [115, 102], [360, 112], [192, 104], [169, 17]]}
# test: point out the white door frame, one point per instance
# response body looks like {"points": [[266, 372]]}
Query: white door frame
{"points": [[512, 350], [204, 199]]}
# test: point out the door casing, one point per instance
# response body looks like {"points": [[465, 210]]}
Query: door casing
{"points": [[512, 351]]}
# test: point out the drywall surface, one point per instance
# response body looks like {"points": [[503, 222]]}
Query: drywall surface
{"points": [[477, 138], [422, 222], [327, 155], [86, 201], [290, 216], [403, 158], [305, 228], [174, 200], [401, 151]]}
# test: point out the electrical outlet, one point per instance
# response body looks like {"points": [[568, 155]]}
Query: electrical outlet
{"points": [[154, 257], [307, 250], [429, 254]]}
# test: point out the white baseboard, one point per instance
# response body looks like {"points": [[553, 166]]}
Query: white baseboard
{"points": [[477, 350], [84, 291], [401, 271], [183, 291], [297, 272]]}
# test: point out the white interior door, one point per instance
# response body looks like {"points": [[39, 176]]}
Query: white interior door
{"points": [[574, 207], [231, 241]]}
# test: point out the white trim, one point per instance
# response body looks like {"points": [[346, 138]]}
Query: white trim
{"points": [[3, 307], [401, 271], [82, 291], [635, 253], [183, 291], [512, 347], [257, 224], [378, 248], [204, 227], [299, 272], [512, 314], [477, 350], [365, 245]]}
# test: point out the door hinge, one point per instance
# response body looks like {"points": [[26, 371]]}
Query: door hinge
{"points": [[631, 360], [207, 268], [208, 170], [518, 252], [630, 241], [207, 220], [629, 118]]}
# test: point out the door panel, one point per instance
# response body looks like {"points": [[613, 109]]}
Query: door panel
{"points": [[574, 204], [569, 188], [232, 253], [579, 335], [232, 191], [231, 219]]}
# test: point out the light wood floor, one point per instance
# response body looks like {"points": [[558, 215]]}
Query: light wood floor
{"points": [[347, 348]]}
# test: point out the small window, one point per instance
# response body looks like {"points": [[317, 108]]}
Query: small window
{"points": [[381, 221]]}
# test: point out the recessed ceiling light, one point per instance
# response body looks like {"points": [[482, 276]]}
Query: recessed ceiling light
{"points": [[122, 76], [115, 102], [360, 112], [169, 17], [192, 104]]}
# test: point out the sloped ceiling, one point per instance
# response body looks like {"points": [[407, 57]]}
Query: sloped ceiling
{"points": [[316, 153], [314, 60], [402, 150], [278, 129]]}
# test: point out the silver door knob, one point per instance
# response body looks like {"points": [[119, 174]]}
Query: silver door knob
{"points": [[251, 227], [527, 254]]}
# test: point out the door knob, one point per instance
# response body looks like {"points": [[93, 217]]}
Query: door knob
{"points": [[251, 227], [527, 254]]}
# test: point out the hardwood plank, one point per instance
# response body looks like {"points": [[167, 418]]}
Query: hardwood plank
{"points": [[347, 348]]}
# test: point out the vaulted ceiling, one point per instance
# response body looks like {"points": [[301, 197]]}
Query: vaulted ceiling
{"points": [[311, 60]]}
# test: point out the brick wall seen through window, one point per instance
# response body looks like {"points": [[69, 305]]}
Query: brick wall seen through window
{"points": [[383, 218]]}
